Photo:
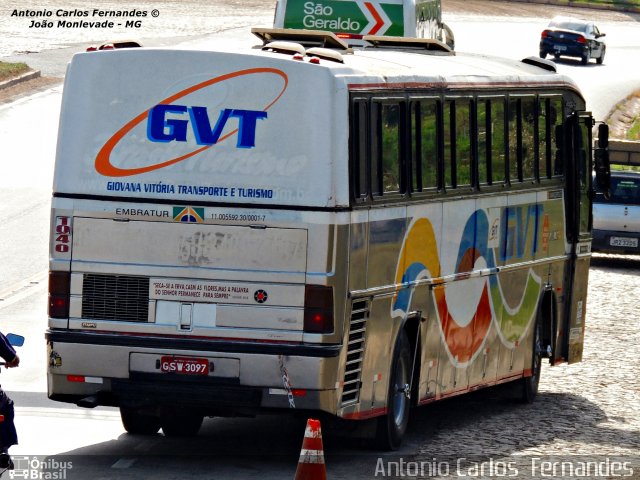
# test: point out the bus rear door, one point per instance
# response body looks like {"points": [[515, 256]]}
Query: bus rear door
{"points": [[579, 167]]}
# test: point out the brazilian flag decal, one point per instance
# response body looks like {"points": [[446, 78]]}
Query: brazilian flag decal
{"points": [[188, 214]]}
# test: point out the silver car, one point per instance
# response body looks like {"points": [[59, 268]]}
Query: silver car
{"points": [[616, 221]]}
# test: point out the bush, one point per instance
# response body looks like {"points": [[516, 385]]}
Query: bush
{"points": [[9, 70]]}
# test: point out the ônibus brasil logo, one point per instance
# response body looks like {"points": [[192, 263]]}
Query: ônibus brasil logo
{"points": [[161, 129]]}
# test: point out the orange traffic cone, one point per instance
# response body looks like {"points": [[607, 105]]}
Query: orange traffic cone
{"points": [[311, 464]]}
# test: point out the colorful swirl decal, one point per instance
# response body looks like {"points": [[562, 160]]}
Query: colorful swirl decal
{"points": [[464, 337]]}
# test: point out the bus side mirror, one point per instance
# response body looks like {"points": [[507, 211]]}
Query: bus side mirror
{"points": [[602, 166], [15, 340]]}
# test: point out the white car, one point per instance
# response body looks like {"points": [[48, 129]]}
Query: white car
{"points": [[616, 221]]}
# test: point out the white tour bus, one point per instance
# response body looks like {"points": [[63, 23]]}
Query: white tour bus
{"points": [[310, 226]]}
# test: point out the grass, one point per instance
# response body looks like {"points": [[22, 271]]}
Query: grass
{"points": [[634, 131], [615, 3], [9, 70]]}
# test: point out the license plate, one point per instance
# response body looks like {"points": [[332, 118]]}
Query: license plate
{"points": [[560, 48], [623, 242], [184, 366]]}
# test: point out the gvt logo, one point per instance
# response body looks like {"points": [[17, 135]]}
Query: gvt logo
{"points": [[168, 122], [161, 129]]}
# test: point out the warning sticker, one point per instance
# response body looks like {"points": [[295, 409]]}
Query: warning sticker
{"points": [[225, 292]]}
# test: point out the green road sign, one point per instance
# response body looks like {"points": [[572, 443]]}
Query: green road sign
{"points": [[344, 16]]}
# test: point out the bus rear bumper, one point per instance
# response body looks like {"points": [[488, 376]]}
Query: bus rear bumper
{"points": [[92, 369]]}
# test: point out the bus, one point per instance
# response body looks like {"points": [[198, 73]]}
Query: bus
{"points": [[353, 19], [309, 226]]}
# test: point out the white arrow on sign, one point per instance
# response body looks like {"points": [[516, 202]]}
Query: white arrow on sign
{"points": [[379, 22]]}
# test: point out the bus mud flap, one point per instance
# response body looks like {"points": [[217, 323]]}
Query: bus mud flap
{"points": [[412, 324]]}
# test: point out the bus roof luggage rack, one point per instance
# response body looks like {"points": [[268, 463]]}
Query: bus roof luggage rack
{"points": [[540, 62], [308, 38], [293, 48], [406, 42]]}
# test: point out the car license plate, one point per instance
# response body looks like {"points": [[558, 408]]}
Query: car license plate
{"points": [[560, 48], [623, 242], [184, 365]]}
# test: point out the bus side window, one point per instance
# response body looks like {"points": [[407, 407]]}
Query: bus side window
{"points": [[544, 136], [360, 151], [391, 120], [448, 133], [528, 144], [556, 117], [497, 139], [424, 145], [483, 115], [515, 140], [457, 133], [463, 135], [387, 134], [375, 174]]}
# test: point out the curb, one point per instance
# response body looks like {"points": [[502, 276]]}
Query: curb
{"points": [[19, 79]]}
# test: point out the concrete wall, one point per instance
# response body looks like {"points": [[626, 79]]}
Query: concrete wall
{"points": [[624, 152], [632, 6]]}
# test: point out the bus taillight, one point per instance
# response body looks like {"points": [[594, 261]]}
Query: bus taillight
{"points": [[349, 36], [59, 294], [318, 309]]}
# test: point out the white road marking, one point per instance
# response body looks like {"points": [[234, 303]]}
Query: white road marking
{"points": [[23, 289]]}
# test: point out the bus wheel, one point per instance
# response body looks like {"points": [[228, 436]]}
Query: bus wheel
{"points": [[138, 423], [530, 384], [177, 424], [392, 426]]}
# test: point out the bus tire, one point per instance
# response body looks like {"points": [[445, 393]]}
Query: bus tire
{"points": [[177, 424], [392, 426], [137, 423], [530, 384]]}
